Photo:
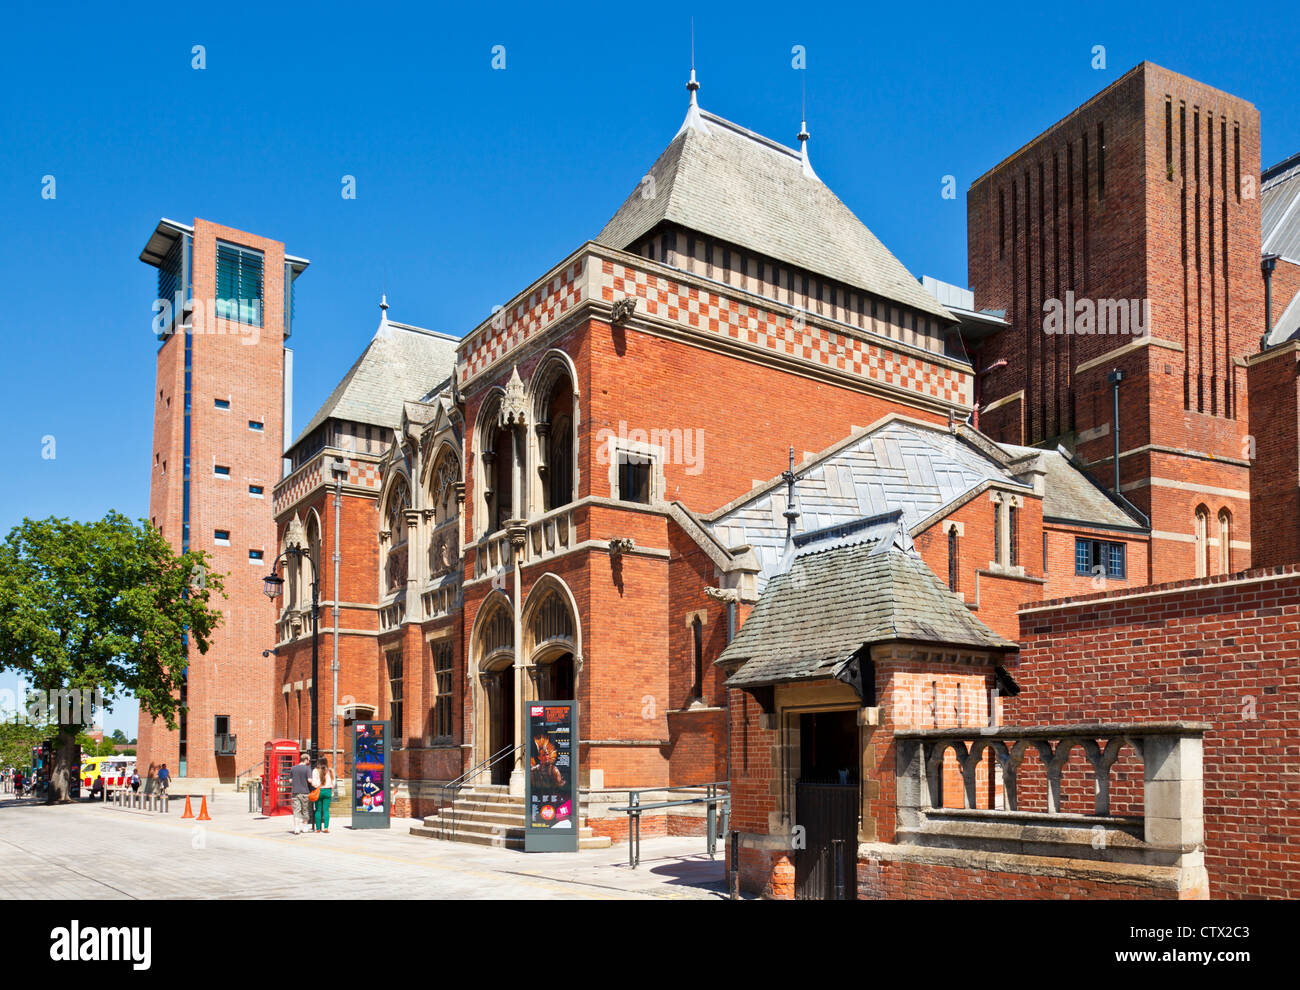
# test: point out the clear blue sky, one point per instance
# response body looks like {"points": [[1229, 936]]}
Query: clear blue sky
{"points": [[472, 181]]}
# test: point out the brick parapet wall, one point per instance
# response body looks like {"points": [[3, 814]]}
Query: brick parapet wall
{"points": [[1221, 650]]}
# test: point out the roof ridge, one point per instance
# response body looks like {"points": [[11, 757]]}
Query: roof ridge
{"points": [[752, 135]]}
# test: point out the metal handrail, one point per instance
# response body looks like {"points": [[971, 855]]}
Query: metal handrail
{"points": [[259, 765], [711, 799], [447, 811]]}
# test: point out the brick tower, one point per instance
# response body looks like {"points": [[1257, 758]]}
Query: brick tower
{"points": [[1139, 207], [221, 416]]}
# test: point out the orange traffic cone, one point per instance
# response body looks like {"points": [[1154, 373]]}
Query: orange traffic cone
{"points": [[203, 811], [189, 812]]}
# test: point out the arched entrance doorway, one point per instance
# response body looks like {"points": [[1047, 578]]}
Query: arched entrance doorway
{"points": [[497, 708]]}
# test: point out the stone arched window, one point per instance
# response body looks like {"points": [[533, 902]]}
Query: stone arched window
{"points": [[306, 573], [496, 638], [1225, 541], [697, 644], [555, 413], [444, 539], [1202, 532], [496, 454], [393, 537], [552, 640]]}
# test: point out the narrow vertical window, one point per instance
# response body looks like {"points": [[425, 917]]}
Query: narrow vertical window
{"points": [[1236, 157], [997, 533], [1013, 536], [1225, 542], [1169, 139], [953, 566], [697, 636], [1101, 160], [1202, 541], [1002, 223]]}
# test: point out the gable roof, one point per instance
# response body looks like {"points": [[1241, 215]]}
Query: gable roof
{"points": [[726, 181], [810, 621], [401, 362], [1070, 495]]}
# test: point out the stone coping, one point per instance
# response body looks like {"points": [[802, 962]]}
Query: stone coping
{"points": [[1080, 729]]}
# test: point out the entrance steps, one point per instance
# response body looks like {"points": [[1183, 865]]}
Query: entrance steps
{"points": [[487, 815]]}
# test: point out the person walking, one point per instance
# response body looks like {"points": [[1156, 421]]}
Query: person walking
{"points": [[300, 778], [164, 779], [323, 778], [97, 789], [135, 782]]}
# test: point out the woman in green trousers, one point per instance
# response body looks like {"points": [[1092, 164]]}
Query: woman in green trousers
{"points": [[323, 778]]}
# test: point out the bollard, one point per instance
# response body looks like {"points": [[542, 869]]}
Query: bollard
{"points": [[838, 846], [733, 881]]}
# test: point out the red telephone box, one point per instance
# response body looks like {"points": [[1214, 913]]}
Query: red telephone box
{"points": [[277, 783]]}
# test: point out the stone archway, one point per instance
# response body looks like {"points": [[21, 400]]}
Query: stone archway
{"points": [[552, 641], [492, 680]]}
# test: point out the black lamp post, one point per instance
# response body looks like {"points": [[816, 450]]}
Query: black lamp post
{"points": [[272, 586]]}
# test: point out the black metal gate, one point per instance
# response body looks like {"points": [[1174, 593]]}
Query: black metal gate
{"points": [[829, 816]]}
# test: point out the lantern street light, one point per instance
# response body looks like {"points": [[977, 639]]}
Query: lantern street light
{"points": [[272, 587]]}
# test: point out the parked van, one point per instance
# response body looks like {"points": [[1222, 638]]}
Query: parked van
{"points": [[117, 771]]}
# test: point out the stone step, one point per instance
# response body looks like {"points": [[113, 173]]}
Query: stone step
{"points": [[502, 837]]}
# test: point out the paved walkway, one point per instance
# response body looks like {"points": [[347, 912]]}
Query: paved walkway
{"points": [[95, 852]]}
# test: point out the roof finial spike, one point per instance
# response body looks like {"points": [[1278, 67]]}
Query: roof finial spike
{"points": [[383, 330], [693, 120], [693, 87], [803, 150]]}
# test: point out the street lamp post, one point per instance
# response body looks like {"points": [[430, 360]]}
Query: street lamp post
{"points": [[272, 586]]}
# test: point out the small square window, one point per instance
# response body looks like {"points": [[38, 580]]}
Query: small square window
{"points": [[634, 478], [221, 537], [255, 491], [221, 471], [255, 424], [255, 556], [221, 403]]}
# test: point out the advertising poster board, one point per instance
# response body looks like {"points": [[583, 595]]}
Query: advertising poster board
{"points": [[371, 784], [551, 791]]}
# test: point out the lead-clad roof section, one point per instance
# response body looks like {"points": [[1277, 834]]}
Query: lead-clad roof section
{"points": [[1279, 201], [725, 181]]}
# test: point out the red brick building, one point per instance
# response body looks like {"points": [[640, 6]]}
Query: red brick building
{"points": [[221, 414], [551, 506], [1124, 238]]}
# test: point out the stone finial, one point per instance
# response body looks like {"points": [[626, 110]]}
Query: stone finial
{"points": [[514, 404]]}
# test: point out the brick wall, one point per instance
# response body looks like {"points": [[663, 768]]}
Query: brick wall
{"points": [[1221, 650]]}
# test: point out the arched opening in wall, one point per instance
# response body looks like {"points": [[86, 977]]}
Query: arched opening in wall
{"points": [[1225, 541], [697, 651], [953, 559], [496, 660], [394, 537], [496, 458], [555, 412], [1202, 532], [306, 568], [552, 641]]}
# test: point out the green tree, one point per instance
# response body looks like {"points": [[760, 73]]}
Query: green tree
{"points": [[104, 606], [119, 737]]}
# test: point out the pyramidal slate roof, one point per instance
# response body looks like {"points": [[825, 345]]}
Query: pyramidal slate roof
{"points": [[401, 362], [811, 620], [725, 181]]}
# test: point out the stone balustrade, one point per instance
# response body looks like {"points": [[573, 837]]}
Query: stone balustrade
{"points": [[1171, 755]]}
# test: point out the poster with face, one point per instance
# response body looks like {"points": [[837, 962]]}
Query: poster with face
{"points": [[369, 766], [552, 792]]}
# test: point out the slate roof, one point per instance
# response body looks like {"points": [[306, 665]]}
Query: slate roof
{"points": [[811, 620], [399, 363], [1279, 200], [899, 465], [1070, 495], [728, 182], [1286, 326]]}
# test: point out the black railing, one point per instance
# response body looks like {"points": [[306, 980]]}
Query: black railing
{"points": [[717, 812], [450, 791]]}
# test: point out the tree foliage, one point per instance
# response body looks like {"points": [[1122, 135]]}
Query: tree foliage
{"points": [[105, 606]]}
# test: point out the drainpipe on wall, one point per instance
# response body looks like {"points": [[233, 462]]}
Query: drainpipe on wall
{"points": [[1115, 377], [340, 470]]}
